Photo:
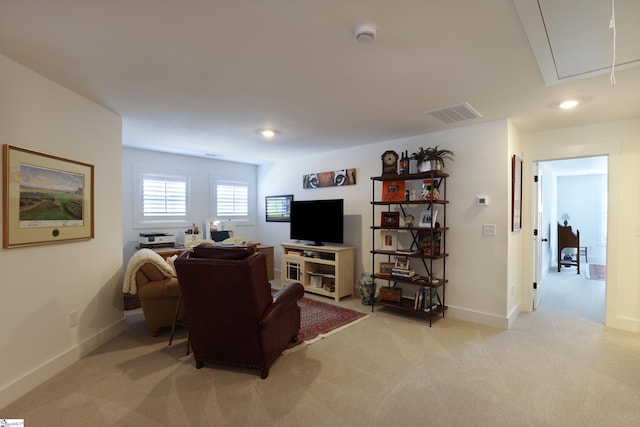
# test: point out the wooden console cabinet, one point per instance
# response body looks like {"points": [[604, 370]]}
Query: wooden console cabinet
{"points": [[268, 253], [322, 270]]}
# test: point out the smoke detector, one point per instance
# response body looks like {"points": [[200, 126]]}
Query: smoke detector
{"points": [[365, 33]]}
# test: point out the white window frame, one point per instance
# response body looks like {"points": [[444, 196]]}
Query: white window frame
{"points": [[157, 221], [247, 219]]}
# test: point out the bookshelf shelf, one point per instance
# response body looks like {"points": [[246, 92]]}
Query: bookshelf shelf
{"points": [[424, 246]]}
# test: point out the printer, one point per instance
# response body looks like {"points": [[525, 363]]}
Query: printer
{"points": [[156, 240]]}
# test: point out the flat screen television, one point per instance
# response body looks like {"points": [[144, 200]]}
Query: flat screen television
{"points": [[318, 221]]}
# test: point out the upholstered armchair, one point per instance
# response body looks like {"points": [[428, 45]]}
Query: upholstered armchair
{"points": [[153, 279], [230, 313]]}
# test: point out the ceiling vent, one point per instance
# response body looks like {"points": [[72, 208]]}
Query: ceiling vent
{"points": [[455, 113]]}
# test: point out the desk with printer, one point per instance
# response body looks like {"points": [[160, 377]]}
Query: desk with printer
{"points": [[166, 246]]}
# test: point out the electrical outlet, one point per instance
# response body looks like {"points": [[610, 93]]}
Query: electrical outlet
{"points": [[488, 229], [73, 318]]}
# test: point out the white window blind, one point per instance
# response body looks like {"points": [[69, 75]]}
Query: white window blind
{"points": [[232, 199], [164, 196]]}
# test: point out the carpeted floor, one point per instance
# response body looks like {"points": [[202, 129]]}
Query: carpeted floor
{"points": [[554, 367], [319, 319], [597, 272]]}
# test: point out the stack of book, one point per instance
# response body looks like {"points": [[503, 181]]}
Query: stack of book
{"points": [[426, 299], [403, 269], [405, 273]]}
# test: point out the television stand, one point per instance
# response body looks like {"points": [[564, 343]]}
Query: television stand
{"points": [[325, 270]]}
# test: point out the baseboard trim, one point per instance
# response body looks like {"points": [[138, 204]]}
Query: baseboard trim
{"points": [[624, 323], [30, 380], [486, 319], [513, 315]]}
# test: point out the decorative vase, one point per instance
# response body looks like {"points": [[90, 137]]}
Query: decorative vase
{"points": [[424, 166], [436, 164], [367, 288]]}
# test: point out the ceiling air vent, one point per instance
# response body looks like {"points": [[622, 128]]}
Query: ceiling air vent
{"points": [[455, 113]]}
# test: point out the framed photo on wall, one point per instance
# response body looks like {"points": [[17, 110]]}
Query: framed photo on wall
{"points": [[516, 193], [278, 208], [47, 199]]}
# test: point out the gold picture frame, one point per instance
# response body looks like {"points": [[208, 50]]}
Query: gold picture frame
{"points": [[46, 199], [385, 268]]}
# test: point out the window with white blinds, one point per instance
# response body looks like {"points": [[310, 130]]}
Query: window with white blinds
{"points": [[232, 199], [161, 199], [164, 196]]}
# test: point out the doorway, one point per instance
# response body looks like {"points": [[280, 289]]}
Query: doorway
{"points": [[572, 192]]}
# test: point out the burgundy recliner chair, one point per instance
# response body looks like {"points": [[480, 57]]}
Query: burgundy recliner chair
{"points": [[231, 315]]}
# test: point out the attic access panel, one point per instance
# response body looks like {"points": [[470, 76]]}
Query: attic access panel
{"points": [[571, 39]]}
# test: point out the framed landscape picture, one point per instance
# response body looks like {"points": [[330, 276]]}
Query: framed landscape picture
{"points": [[47, 199]]}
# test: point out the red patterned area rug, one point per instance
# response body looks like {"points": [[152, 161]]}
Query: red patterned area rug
{"points": [[319, 319], [597, 272]]}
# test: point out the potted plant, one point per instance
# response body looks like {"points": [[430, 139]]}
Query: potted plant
{"points": [[431, 158]]}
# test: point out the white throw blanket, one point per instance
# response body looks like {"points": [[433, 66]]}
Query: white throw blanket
{"points": [[138, 259]]}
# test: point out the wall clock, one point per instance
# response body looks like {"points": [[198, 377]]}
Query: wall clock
{"points": [[389, 163]]}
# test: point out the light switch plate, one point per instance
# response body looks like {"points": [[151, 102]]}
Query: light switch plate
{"points": [[488, 229]]}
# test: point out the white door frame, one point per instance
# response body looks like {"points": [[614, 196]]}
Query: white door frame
{"points": [[537, 216], [546, 152]]}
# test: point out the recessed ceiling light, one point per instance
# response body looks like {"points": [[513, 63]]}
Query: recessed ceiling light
{"points": [[269, 133], [567, 105]]}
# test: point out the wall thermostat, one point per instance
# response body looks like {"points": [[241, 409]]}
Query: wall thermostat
{"points": [[483, 200]]}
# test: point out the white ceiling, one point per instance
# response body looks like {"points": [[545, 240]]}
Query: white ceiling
{"points": [[201, 77]]}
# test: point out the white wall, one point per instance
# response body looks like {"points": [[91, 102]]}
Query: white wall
{"points": [[620, 141], [477, 267], [201, 171], [581, 196], [41, 285], [514, 284]]}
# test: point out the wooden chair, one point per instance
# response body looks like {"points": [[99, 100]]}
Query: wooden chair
{"points": [[567, 239]]}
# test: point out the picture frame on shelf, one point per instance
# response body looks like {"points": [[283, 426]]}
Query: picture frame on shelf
{"points": [[390, 219], [58, 192], [393, 191], [402, 263], [428, 218], [389, 240], [385, 268]]}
